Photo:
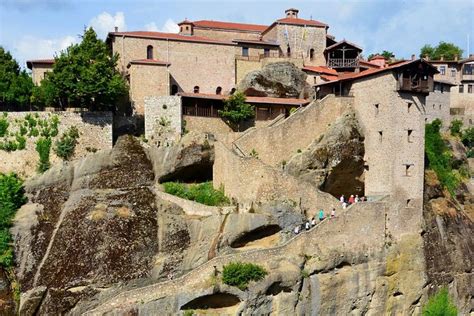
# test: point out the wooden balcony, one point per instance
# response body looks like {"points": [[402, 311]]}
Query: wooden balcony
{"points": [[343, 63], [416, 85]]}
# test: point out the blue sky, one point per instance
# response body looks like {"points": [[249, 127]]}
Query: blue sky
{"points": [[33, 29]]}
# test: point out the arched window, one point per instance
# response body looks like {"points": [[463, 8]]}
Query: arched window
{"points": [[232, 91], [196, 89], [288, 51], [311, 54], [149, 52], [218, 90], [174, 89]]}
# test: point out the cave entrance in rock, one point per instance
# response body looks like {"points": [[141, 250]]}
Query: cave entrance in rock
{"points": [[196, 173], [212, 301], [345, 179], [260, 234]]}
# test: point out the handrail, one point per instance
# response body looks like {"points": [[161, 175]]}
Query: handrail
{"points": [[209, 262]]}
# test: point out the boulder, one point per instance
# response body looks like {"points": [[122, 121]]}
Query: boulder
{"points": [[278, 80]]}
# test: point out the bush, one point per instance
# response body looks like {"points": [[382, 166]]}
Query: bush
{"points": [[455, 127], [240, 274], [65, 146], [3, 125], [11, 198], [467, 137], [203, 193], [439, 156], [43, 147], [440, 305], [236, 110]]}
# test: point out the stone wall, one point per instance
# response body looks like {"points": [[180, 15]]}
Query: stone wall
{"points": [[465, 102], [243, 67], [393, 126], [278, 142], [38, 72], [146, 80], [225, 35], [163, 120], [249, 181], [438, 106], [95, 130], [213, 125]]}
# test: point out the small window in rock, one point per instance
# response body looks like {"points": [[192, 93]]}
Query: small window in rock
{"points": [[376, 108], [433, 106], [408, 170], [165, 106], [380, 136], [219, 90], [440, 106], [232, 91], [408, 202], [366, 167], [409, 132], [196, 89], [426, 119], [409, 106], [311, 54]]}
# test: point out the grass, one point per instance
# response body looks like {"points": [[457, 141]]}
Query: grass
{"points": [[203, 193], [440, 305], [240, 274]]}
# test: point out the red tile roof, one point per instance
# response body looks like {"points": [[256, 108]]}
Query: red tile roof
{"points": [[30, 63], [297, 21], [329, 77], [252, 100], [377, 57], [230, 26], [368, 63], [150, 62], [171, 36], [321, 69]]}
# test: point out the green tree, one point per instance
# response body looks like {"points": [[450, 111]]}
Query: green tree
{"points": [[15, 85], [455, 127], [468, 137], [448, 50], [236, 110], [440, 305], [84, 75], [386, 54], [240, 274]]}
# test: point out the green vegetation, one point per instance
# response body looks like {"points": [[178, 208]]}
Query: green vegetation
{"points": [[240, 274], [386, 54], [253, 153], [467, 137], [11, 198], [43, 147], [15, 85], [203, 193], [455, 127], [65, 146], [84, 75], [448, 50], [236, 110], [188, 312], [4, 125], [440, 305]]}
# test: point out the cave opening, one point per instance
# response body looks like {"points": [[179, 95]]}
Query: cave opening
{"points": [[211, 301], [195, 173], [347, 178], [277, 288], [256, 234]]}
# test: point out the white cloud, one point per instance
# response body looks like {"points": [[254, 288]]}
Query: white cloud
{"points": [[170, 26], [29, 47], [106, 22]]}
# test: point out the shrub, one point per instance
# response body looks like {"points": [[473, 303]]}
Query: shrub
{"points": [[203, 193], [43, 147], [470, 153], [4, 125], [240, 274], [21, 142], [65, 146], [440, 305], [11, 198], [467, 137], [439, 156], [236, 110], [455, 127]]}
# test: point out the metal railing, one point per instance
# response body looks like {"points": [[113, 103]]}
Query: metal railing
{"points": [[343, 62]]}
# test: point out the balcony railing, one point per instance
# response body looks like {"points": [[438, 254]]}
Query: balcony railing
{"points": [[416, 85], [343, 62], [200, 111]]}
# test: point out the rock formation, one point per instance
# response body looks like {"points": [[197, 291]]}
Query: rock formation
{"points": [[279, 80]]}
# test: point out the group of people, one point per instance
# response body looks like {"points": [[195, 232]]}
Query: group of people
{"points": [[313, 222], [352, 200]]}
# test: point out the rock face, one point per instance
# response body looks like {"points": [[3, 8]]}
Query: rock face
{"points": [[334, 162], [279, 80], [448, 245]]}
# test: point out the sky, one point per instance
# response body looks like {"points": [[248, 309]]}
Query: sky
{"points": [[35, 29]]}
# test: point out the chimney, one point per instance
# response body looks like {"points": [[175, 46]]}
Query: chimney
{"points": [[116, 29], [292, 13], [441, 57], [413, 56]]}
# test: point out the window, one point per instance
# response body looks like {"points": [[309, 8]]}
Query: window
{"points": [[196, 89], [409, 106], [174, 89], [232, 91], [311, 54], [434, 106], [408, 202], [453, 72], [442, 70], [408, 170], [266, 52], [245, 51], [380, 136], [376, 108], [469, 88], [288, 51], [149, 52], [409, 132], [187, 28], [440, 106], [461, 88], [219, 90]]}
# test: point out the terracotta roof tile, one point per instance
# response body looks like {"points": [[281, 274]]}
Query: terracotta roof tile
{"points": [[297, 21], [171, 36], [150, 62], [321, 69], [30, 63], [230, 26]]}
